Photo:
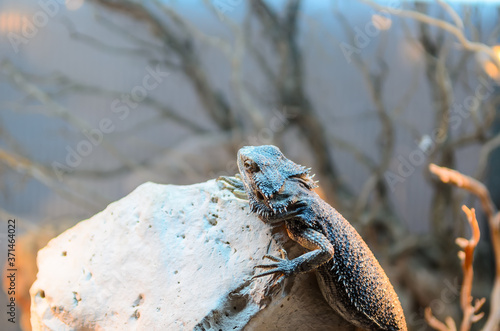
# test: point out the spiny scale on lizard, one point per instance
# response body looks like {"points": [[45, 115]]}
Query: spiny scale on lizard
{"points": [[349, 276]]}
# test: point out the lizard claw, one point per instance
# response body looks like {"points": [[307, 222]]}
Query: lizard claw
{"points": [[276, 281], [280, 271], [233, 184], [284, 256], [283, 266]]}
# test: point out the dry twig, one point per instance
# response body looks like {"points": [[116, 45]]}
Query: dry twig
{"points": [[470, 310], [472, 185], [437, 324], [471, 314], [456, 30]]}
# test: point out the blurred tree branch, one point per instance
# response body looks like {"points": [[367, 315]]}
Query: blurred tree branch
{"points": [[470, 184], [282, 32], [182, 46], [456, 30], [268, 41]]}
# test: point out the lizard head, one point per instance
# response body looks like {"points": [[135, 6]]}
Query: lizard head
{"points": [[266, 172]]}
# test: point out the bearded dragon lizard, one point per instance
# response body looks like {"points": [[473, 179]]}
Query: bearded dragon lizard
{"points": [[349, 276]]}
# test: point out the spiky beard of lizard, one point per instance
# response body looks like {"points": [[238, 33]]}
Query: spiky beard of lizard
{"points": [[282, 201], [271, 180]]}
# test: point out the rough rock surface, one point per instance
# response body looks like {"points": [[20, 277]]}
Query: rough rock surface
{"points": [[170, 257]]}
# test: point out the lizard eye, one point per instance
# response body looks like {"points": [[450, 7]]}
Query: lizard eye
{"points": [[251, 166]]}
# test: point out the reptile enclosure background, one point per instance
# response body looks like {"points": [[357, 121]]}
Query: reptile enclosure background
{"points": [[99, 96]]}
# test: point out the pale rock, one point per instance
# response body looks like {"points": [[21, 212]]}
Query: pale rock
{"points": [[170, 257]]}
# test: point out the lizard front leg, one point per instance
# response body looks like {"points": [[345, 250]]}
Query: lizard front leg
{"points": [[233, 184], [321, 252]]}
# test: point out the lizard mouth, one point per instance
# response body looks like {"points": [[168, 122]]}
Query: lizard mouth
{"points": [[265, 198], [260, 196], [270, 204]]}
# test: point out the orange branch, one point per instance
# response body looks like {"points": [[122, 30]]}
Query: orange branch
{"points": [[447, 175], [467, 258], [437, 324], [472, 185]]}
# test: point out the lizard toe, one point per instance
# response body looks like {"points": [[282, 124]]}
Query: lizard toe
{"points": [[272, 258]]}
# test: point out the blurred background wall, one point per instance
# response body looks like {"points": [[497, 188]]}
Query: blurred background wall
{"points": [[97, 97]]}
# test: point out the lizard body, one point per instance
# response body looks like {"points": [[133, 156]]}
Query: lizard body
{"points": [[349, 276]]}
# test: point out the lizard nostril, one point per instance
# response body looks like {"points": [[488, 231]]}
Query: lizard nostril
{"points": [[251, 166], [260, 196]]}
